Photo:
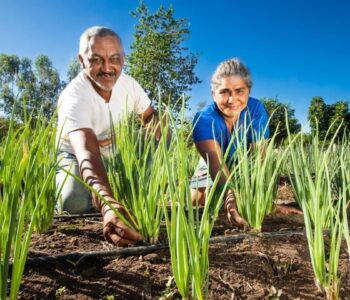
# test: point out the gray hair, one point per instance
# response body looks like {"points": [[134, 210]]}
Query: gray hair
{"points": [[231, 67], [91, 32]]}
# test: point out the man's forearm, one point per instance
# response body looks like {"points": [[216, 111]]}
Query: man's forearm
{"points": [[94, 174]]}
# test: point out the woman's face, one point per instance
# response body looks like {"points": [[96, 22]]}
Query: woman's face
{"points": [[231, 96]]}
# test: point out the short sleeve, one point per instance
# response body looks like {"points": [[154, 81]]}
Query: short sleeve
{"points": [[142, 102], [260, 128], [203, 128], [74, 112]]}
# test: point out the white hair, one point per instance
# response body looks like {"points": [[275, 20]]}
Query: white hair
{"points": [[231, 67], [91, 32]]}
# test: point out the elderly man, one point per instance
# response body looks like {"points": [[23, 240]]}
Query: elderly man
{"points": [[99, 93]]}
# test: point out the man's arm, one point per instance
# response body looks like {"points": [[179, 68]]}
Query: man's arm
{"points": [[150, 117], [211, 151], [87, 152]]}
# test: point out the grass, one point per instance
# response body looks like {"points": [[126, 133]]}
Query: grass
{"points": [[315, 188], [147, 177], [26, 181]]}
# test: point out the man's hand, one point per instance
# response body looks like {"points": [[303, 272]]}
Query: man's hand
{"points": [[232, 213], [285, 210], [114, 229]]}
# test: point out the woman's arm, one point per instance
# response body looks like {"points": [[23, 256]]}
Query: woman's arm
{"points": [[211, 151]]}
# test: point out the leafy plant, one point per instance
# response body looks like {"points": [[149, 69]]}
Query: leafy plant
{"points": [[256, 173], [23, 194], [158, 58], [315, 193], [188, 232], [137, 175]]}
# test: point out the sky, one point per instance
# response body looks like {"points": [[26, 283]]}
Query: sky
{"points": [[295, 49]]}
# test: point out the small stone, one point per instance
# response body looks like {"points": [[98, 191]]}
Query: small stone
{"points": [[153, 258]]}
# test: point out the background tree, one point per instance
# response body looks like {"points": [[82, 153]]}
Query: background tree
{"points": [[74, 68], [325, 115], [276, 111], [33, 89], [339, 115], [158, 60], [318, 115], [48, 87]]}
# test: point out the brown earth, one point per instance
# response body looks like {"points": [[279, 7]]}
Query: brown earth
{"points": [[254, 267]]}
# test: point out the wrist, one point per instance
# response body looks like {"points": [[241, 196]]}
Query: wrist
{"points": [[105, 208], [225, 186]]}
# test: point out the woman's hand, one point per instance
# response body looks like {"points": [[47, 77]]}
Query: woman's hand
{"points": [[285, 210], [232, 213]]}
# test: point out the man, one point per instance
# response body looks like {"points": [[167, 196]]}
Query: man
{"points": [[214, 128], [99, 93]]}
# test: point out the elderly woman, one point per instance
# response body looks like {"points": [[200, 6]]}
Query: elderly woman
{"points": [[215, 126]]}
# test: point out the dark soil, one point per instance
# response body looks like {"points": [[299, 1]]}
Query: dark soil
{"points": [[255, 267]]}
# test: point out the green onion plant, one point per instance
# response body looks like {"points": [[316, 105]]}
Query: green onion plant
{"points": [[314, 188], [345, 189], [256, 171], [23, 194], [307, 174], [137, 175], [188, 231]]}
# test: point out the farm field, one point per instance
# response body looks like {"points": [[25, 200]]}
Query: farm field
{"points": [[246, 267], [186, 253]]}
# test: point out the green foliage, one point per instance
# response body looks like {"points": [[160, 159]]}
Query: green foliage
{"points": [[73, 69], [158, 59], [276, 111], [36, 87], [5, 126], [188, 232], [339, 114], [256, 179], [322, 116], [315, 185], [137, 176], [318, 113], [27, 196]]}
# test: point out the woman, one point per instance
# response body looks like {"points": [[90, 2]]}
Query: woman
{"points": [[215, 126]]}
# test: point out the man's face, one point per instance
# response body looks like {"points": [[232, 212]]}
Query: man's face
{"points": [[231, 96], [103, 62]]}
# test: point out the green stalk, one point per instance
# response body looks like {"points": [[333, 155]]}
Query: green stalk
{"points": [[315, 193], [345, 192], [255, 176], [176, 222], [22, 193], [103, 199], [188, 234], [137, 175]]}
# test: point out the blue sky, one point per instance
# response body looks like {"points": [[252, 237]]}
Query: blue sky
{"points": [[295, 49]]}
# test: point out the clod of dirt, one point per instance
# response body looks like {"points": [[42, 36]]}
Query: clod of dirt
{"points": [[153, 258]]}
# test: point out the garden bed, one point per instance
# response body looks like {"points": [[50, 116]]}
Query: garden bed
{"points": [[245, 266]]}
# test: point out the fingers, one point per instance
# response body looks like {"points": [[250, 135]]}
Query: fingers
{"points": [[296, 211], [235, 219], [285, 210], [116, 232], [132, 235], [118, 241]]}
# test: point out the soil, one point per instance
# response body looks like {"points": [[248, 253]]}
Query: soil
{"points": [[253, 267]]}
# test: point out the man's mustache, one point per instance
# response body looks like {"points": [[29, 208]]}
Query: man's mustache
{"points": [[106, 74]]}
